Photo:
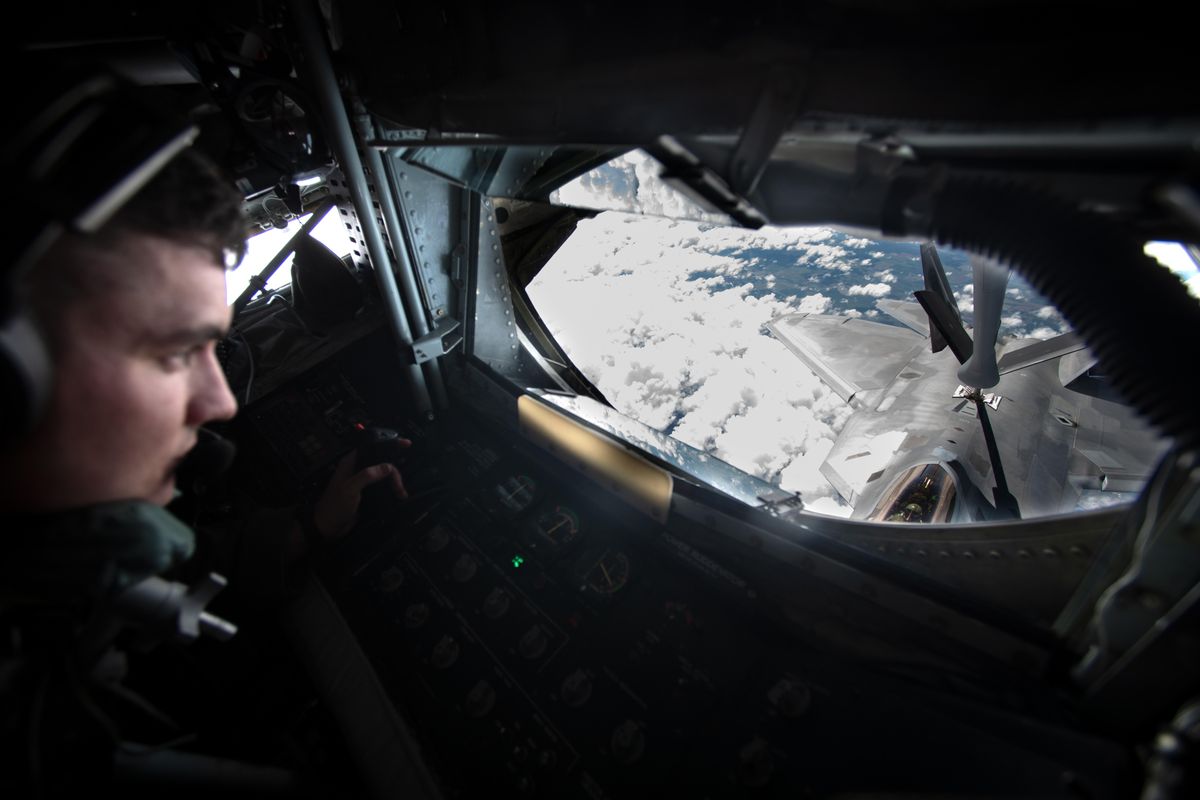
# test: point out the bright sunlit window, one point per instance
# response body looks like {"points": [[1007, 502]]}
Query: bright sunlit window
{"points": [[1175, 257], [262, 247], [668, 318]]}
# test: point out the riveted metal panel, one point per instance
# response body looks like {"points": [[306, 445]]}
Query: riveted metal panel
{"points": [[432, 211], [492, 333]]}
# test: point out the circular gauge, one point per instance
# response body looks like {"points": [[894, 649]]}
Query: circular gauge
{"points": [[604, 572], [391, 579], [437, 539], [559, 526], [516, 493]]}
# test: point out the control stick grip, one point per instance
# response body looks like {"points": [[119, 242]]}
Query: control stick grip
{"points": [[378, 446]]}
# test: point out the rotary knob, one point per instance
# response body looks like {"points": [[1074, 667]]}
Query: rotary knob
{"points": [[790, 697], [465, 568], [480, 700], [754, 764], [496, 604], [576, 688], [437, 539], [445, 652], [415, 616], [391, 579], [628, 742], [533, 643]]}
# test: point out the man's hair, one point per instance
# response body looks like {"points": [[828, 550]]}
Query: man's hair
{"points": [[190, 202]]}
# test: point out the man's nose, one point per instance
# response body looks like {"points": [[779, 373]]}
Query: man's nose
{"points": [[212, 399]]}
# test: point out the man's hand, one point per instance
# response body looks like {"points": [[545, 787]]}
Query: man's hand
{"points": [[337, 509]]}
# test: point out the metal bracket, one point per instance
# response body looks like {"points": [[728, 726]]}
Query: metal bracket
{"points": [[438, 342], [884, 156], [701, 184], [458, 265], [774, 110], [781, 504], [990, 399]]}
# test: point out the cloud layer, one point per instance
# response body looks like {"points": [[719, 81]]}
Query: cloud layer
{"points": [[689, 355], [666, 317]]}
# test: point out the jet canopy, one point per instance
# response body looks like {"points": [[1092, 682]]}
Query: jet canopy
{"points": [[924, 493]]}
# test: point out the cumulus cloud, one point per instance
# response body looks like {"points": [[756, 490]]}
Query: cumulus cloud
{"points": [[689, 356], [871, 290], [814, 304], [886, 276], [1046, 312], [631, 183]]}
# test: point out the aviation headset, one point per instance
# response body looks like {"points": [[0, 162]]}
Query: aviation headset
{"points": [[83, 147]]}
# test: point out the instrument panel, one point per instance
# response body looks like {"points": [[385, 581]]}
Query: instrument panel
{"points": [[545, 639]]}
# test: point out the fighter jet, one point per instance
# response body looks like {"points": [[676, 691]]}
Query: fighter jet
{"points": [[951, 428]]}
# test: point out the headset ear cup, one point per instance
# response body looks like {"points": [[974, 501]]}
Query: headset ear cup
{"points": [[26, 373]]}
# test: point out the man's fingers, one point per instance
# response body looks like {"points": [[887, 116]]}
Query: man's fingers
{"points": [[345, 466], [377, 473], [373, 474]]}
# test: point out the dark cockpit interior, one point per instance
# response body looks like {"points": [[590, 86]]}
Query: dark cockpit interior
{"points": [[572, 603], [925, 493]]}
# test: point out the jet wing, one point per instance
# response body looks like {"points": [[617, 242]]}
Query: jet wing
{"points": [[860, 456], [1041, 351], [856, 358], [912, 315]]}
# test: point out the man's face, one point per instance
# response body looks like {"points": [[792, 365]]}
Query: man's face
{"points": [[135, 377]]}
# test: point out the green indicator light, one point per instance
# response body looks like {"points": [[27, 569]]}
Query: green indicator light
{"points": [[518, 561]]}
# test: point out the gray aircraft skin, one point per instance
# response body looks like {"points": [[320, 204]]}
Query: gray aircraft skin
{"points": [[916, 449]]}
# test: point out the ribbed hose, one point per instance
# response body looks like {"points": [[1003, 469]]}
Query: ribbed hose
{"points": [[1135, 315]]}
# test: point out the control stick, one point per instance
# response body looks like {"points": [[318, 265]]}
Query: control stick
{"points": [[379, 446]]}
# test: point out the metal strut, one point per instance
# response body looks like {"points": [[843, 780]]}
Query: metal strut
{"points": [[398, 232], [337, 126]]}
